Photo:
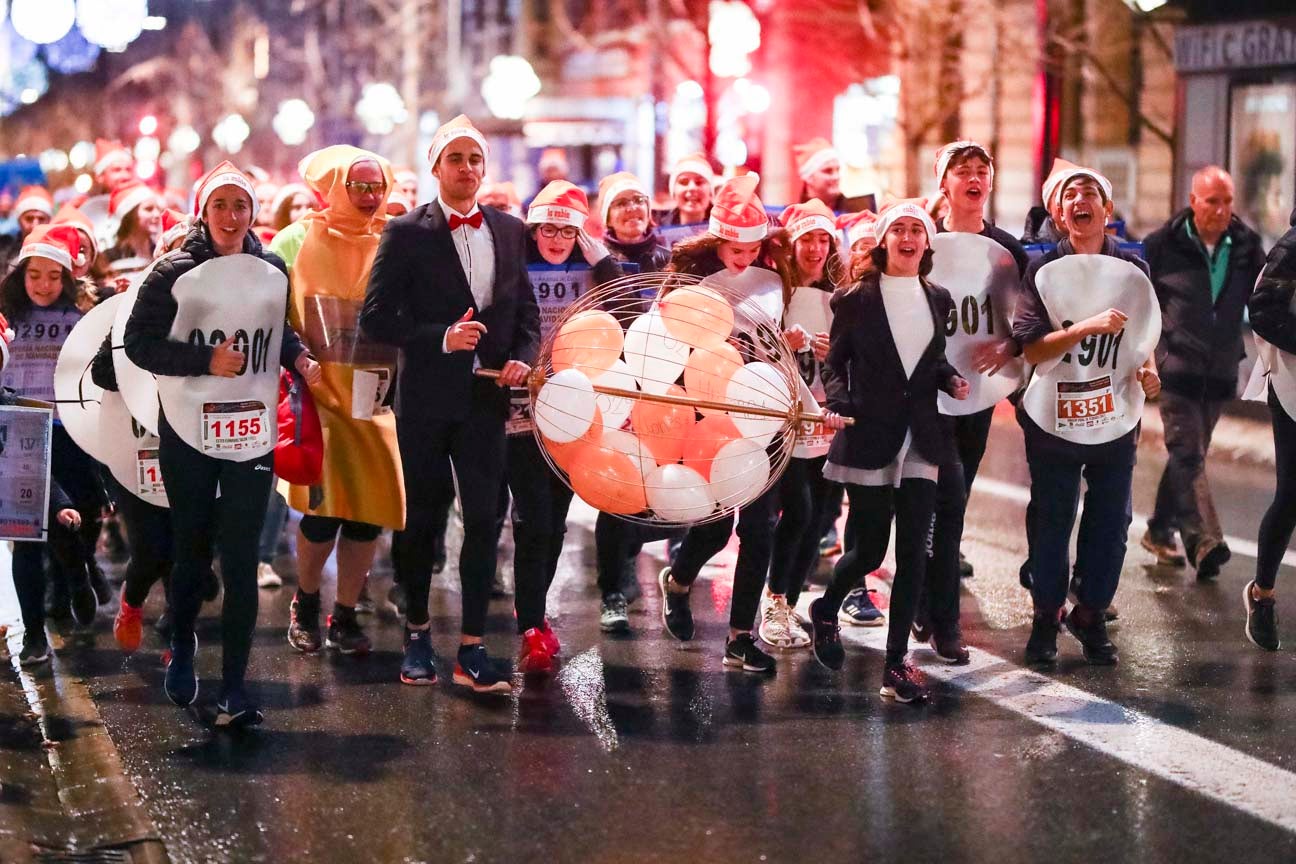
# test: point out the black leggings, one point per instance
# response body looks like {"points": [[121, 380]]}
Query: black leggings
{"points": [[755, 542], [540, 504], [148, 538], [1280, 519], [805, 496], [324, 529], [871, 508], [234, 522]]}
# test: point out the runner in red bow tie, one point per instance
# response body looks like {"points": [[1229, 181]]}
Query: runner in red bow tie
{"points": [[473, 221]]}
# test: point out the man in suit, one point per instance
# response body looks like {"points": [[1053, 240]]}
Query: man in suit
{"points": [[449, 288]]}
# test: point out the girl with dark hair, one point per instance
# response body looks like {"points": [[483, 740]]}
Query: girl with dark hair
{"points": [[886, 362]]}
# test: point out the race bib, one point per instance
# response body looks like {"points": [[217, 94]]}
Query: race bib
{"points": [[519, 420], [556, 288], [148, 477], [38, 337], [233, 427], [369, 392], [983, 281], [1086, 404], [812, 439]]}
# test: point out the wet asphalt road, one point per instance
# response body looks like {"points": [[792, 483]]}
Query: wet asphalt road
{"points": [[643, 750]]}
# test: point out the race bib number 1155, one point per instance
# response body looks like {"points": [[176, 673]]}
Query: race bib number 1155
{"points": [[228, 427]]}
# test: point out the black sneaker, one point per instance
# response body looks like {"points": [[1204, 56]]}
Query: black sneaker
{"points": [[35, 649], [475, 669], [1097, 648], [826, 632], [418, 667], [949, 648], [235, 711], [99, 584], [303, 622], [1261, 620], [181, 682], [344, 633], [922, 630], [677, 617], [1042, 645], [84, 602], [903, 683], [1024, 574], [741, 653], [613, 617], [1210, 561], [965, 568]]}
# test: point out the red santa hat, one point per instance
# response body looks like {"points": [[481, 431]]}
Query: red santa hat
{"points": [[174, 226], [109, 153], [559, 203], [915, 208], [857, 225], [616, 184], [737, 213], [58, 243], [69, 215], [35, 198], [813, 155], [1063, 173], [127, 198], [459, 127], [956, 148], [813, 215], [224, 174], [694, 163]]}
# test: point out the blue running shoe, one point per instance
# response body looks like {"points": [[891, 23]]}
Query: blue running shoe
{"points": [[476, 670], [419, 666], [181, 675], [858, 609], [235, 711]]}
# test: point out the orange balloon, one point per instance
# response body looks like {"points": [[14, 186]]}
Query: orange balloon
{"points": [[590, 341], [697, 316], [707, 373], [562, 454], [608, 480], [662, 428], [705, 439]]}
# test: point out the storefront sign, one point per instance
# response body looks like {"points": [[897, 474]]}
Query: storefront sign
{"points": [[1247, 45]]}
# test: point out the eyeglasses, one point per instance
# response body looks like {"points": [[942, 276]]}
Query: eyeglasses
{"points": [[366, 188], [567, 232], [630, 202]]}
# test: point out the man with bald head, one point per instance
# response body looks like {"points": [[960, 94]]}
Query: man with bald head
{"points": [[1204, 263]]}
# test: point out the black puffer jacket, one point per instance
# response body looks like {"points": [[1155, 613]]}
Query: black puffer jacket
{"points": [[650, 255], [1201, 338], [147, 340], [1270, 307]]}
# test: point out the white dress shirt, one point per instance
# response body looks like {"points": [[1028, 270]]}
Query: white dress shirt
{"points": [[476, 248]]}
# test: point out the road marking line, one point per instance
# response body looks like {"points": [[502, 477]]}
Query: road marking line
{"points": [[1199, 764], [1021, 494]]}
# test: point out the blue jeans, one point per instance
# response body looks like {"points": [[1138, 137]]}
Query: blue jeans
{"points": [[1104, 524]]}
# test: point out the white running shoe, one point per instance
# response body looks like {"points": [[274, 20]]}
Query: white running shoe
{"points": [[779, 629], [267, 577]]}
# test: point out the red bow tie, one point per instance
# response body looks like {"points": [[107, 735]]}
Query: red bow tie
{"points": [[473, 221]]}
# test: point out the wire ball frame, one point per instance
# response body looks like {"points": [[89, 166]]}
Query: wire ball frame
{"points": [[694, 394]]}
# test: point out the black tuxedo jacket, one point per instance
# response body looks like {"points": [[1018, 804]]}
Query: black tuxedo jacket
{"points": [[418, 289], [865, 379]]}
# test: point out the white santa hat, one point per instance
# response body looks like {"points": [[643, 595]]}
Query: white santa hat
{"points": [[737, 213], [813, 215], [813, 155], [615, 184], [1063, 173], [35, 198], [59, 243], [224, 174], [694, 163], [559, 203], [127, 198], [954, 148], [911, 207], [857, 225], [108, 153], [459, 127]]}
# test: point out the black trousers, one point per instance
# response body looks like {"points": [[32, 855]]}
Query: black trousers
{"points": [[540, 504], [617, 544], [755, 544], [1183, 500], [871, 509], [939, 602], [805, 497], [475, 448], [233, 522], [1280, 519], [149, 540]]}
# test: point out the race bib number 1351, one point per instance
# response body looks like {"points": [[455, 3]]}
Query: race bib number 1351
{"points": [[1085, 404]]}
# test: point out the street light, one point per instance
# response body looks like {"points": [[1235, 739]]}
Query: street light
{"points": [[381, 108], [42, 21], [293, 121], [230, 133], [111, 23], [183, 140], [734, 33], [508, 86]]}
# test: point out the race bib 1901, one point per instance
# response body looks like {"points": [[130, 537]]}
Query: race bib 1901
{"points": [[229, 427]]}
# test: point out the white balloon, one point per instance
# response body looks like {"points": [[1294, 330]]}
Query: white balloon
{"points": [[630, 445], [739, 473], [678, 494], [760, 385], [653, 356], [78, 396], [564, 408], [616, 409]]}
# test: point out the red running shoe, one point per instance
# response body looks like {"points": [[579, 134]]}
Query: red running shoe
{"points": [[535, 658], [128, 627], [551, 639]]}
